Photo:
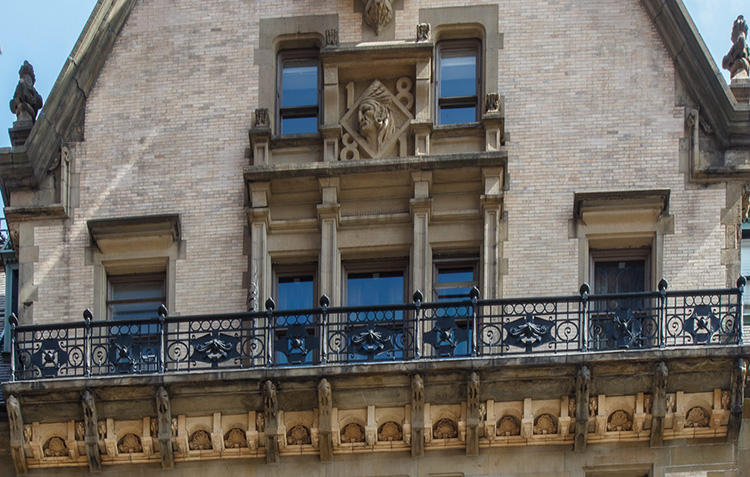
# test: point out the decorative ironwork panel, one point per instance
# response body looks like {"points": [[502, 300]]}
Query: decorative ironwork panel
{"points": [[701, 318], [50, 352], [215, 342], [529, 326], [624, 322], [371, 334], [125, 347], [296, 338], [447, 330]]}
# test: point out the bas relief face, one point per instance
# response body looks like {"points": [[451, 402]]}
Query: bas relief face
{"points": [[374, 121]]}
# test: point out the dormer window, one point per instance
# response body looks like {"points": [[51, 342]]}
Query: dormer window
{"points": [[458, 79], [298, 92]]}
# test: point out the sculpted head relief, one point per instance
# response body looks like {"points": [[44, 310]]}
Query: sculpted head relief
{"points": [[375, 118]]}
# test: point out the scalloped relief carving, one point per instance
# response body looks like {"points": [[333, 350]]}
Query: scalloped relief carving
{"points": [[298, 435], [545, 424], [352, 433], [619, 421], [55, 447], [390, 431], [445, 429], [697, 417], [129, 444], [508, 426], [235, 438], [200, 440]]}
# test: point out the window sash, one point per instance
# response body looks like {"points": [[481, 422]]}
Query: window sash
{"points": [[453, 49], [292, 59]]}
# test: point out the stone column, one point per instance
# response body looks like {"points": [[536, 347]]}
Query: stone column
{"points": [[260, 262], [491, 202], [329, 263], [421, 251]]}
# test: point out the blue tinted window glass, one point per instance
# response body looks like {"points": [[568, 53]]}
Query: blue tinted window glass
{"points": [[295, 293], [375, 288], [456, 275], [299, 86], [458, 115], [301, 125], [458, 73]]}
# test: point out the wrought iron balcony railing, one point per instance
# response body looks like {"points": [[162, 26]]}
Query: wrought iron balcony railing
{"points": [[409, 332]]}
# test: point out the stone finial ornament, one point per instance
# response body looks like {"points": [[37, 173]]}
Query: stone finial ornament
{"points": [[377, 14], [737, 61], [26, 101]]}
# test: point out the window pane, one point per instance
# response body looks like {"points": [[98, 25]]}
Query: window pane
{"points": [[134, 311], [619, 276], [456, 275], [299, 86], [458, 115], [366, 289], [295, 293], [299, 125], [136, 290], [458, 73]]}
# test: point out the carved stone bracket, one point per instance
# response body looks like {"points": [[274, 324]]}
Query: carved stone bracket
{"points": [[417, 416], [737, 396], [91, 426], [325, 420], [423, 31], [659, 406], [583, 393], [260, 137], [473, 415], [377, 14], [271, 418], [164, 416], [15, 420]]}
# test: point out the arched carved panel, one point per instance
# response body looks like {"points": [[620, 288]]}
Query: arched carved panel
{"points": [[619, 421], [697, 417], [352, 432], [235, 438], [298, 435], [129, 444], [55, 447], [508, 426], [200, 440], [390, 431], [545, 424], [445, 429]]}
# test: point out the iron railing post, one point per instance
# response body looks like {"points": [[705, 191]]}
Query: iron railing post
{"points": [[270, 323], [325, 302], [418, 298], [585, 291], [741, 282], [474, 295], [13, 321], [163, 312], [662, 319], [87, 318]]}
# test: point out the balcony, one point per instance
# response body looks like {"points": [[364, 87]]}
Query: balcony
{"points": [[417, 331]]}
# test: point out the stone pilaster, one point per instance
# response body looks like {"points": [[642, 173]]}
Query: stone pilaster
{"points": [[421, 251], [260, 262], [491, 201], [330, 257]]}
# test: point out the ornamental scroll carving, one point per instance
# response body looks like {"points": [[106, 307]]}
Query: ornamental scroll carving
{"points": [[390, 431], [235, 438], [376, 120]]}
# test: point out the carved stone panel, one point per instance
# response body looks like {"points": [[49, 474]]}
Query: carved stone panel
{"points": [[352, 433], [377, 119], [129, 444], [235, 438], [55, 447], [200, 440], [298, 435]]}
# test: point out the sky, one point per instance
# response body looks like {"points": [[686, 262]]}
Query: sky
{"points": [[44, 32]]}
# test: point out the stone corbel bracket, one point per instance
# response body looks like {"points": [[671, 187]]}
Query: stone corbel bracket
{"points": [[271, 415], [417, 416], [737, 396], [493, 120], [473, 415], [15, 420], [164, 416], [260, 138], [91, 436], [659, 406], [325, 420], [583, 393]]}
